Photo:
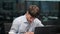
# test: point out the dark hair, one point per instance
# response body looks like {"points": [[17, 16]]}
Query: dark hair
{"points": [[32, 12]]}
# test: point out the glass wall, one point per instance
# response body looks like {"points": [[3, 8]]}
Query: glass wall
{"points": [[10, 9]]}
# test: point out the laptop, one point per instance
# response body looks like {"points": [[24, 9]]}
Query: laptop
{"points": [[45, 30]]}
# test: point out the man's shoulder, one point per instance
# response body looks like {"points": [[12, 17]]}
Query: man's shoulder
{"points": [[19, 18]]}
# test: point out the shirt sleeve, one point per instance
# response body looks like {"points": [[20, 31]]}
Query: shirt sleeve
{"points": [[15, 26], [39, 23]]}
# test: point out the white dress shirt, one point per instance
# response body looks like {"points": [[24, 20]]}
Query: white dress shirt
{"points": [[21, 25]]}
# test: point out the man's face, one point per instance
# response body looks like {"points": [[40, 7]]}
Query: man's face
{"points": [[30, 18]]}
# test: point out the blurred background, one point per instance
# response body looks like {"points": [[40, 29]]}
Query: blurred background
{"points": [[10, 9]]}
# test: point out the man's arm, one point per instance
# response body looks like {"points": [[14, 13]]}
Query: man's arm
{"points": [[39, 23], [14, 28]]}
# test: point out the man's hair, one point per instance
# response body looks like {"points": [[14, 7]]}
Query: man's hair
{"points": [[33, 10]]}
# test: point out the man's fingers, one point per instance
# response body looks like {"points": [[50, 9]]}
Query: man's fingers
{"points": [[29, 33]]}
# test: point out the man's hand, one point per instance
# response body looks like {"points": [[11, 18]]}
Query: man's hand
{"points": [[29, 33]]}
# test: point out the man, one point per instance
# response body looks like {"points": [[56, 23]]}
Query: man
{"points": [[26, 24]]}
